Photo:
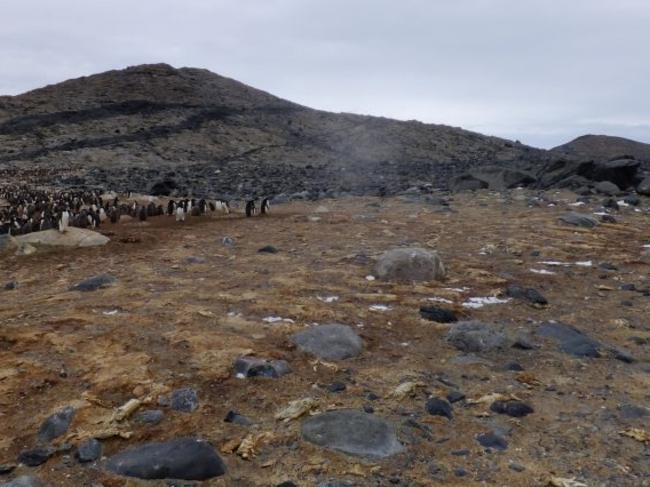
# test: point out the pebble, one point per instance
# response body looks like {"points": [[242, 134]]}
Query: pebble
{"points": [[439, 315], [256, 367], [10, 286], [89, 451], [35, 457], [56, 425], [516, 409], [329, 342], [150, 416], [439, 407], [236, 418], [182, 458], [268, 249], [228, 242], [526, 294], [184, 400], [455, 396], [336, 387], [492, 440], [94, 283], [352, 432]]}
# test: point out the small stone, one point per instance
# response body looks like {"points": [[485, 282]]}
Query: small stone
{"points": [[439, 407], [150, 416], [236, 418], [35, 457], [460, 472], [474, 336], [461, 453], [336, 387], [526, 294], [628, 287], [455, 396], [579, 219], [514, 366], [334, 483], [10, 286], [184, 400], [352, 432], [56, 425], [256, 367], [329, 342], [492, 440], [183, 459], [368, 409], [268, 249], [516, 467], [516, 409], [228, 242], [439, 315], [89, 451], [94, 283]]}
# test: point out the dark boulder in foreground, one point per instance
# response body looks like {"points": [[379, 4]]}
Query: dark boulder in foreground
{"points": [[352, 432], [183, 459], [95, 283]]}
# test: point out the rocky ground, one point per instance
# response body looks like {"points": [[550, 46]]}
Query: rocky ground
{"points": [[526, 393]]}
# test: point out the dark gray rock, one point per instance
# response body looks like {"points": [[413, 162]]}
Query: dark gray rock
{"points": [[268, 249], [56, 425], [579, 220], [474, 336], [608, 188], [335, 387], [257, 367], [611, 203], [410, 264], [455, 396], [621, 172], [644, 187], [94, 283], [439, 315], [150, 416], [529, 294], [329, 342], [439, 407], [35, 457], [89, 451], [516, 409], [236, 418], [183, 458], [334, 483], [467, 182], [10, 286], [570, 340], [184, 400], [6, 468], [352, 432], [501, 178], [25, 481], [631, 411], [492, 440], [632, 200]]}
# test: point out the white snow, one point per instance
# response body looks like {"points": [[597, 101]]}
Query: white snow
{"points": [[436, 299], [379, 307], [479, 302], [542, 271], [327, 299], [275, 319]]}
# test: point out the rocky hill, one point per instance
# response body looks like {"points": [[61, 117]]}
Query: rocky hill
{"points": [[205, 133], [605, 147]]}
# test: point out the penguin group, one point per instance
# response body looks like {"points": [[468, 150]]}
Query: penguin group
{"points": [[28, 210]]}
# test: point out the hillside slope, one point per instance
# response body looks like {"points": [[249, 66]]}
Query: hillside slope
{"points": [[128, 127], [605, 147]]}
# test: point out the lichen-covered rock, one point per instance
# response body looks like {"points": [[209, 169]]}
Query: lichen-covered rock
{"points": [[410, 264]]}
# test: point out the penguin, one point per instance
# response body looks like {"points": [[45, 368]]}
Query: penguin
{"points": [[102, 214], [203, 206], [212, 206], [180, 214], [250, 208], [171, 208], [64, 221], [114, 215], [265, 207], [222, 205]]}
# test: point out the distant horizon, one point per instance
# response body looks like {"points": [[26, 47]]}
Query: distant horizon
{"points": [[518, 70]]}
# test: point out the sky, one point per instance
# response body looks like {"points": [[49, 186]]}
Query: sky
{"points": [[539, 71]]}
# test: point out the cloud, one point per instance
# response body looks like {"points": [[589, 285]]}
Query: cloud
{"points": [[542, 71]]}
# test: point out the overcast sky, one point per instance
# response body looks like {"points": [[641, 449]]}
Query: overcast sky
{"points": [[542, 71]]}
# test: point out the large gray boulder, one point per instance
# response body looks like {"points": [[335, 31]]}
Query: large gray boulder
{"points": [[72, 237], [329, 342], [608, 188], [352, 432], [410, 264], [182, 459], [644, 186]]}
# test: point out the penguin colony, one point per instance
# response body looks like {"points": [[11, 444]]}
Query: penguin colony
{"points": [[28, 210]]}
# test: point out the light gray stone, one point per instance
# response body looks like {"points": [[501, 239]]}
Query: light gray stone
{"points": [[410, 264], [329, 342]]}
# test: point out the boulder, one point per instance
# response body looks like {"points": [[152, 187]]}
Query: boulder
{"points": [[467, 182], [182, 459], [410, 264], [72, 237], [329, 342], [474, 336], [164, 188], [608, 188], [495, 178], [353, 432], [644, 187], [621, 172]]}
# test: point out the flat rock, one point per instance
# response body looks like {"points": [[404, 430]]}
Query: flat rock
{"points": [[24, 481], [184, 400], [410, 264], [150, 416], [474, 336], [492, 440], [35, 457], [329, 342], [94, 283], [529, 294], [439, 407], [516, 409], [258, 367], [579, 220], [183, 459], [352, 432], [72, 237], [570, 340], [56, 425]]}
